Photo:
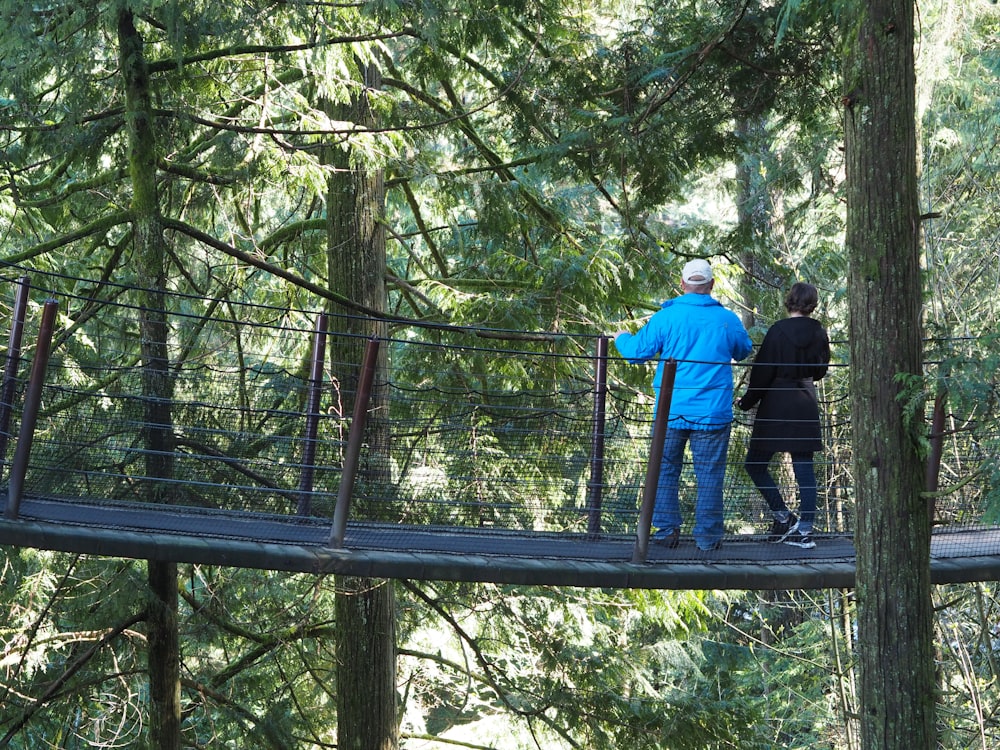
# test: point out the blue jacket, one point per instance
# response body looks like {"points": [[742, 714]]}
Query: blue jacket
{"points": [[704, 338]]}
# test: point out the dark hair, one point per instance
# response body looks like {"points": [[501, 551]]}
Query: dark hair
{"points": [[801, 298]]}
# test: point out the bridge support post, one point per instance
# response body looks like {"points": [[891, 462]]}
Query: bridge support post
{"points": [[29, 417], [937, 446], [655, 459], [354, 441], [11, 363], [595, 486], [312, 416]]}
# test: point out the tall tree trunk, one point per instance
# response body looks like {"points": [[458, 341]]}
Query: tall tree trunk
{"points": [[150, 257], [754, 214], [367, 712], [893, 529], [163, 657]]}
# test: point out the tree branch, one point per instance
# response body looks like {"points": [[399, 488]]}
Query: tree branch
{"points": [[68, 673], [100, 225], [256, 262]]}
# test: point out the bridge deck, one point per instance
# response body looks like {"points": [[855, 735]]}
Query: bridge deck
{"points": [[301, 544], [475, 459]]}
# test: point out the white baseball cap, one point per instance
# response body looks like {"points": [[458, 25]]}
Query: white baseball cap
{"points": [[697, 271]]}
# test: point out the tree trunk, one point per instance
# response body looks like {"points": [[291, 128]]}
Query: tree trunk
{"points": [[367, 712], [163, 657], [150, 258], [893, 528], [754, 212]]}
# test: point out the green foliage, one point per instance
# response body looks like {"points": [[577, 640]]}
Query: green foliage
{"points": [[959, 188], [613, 669], [548, 165]]}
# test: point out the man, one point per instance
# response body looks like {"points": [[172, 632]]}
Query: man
{"points": [[704, 338]]}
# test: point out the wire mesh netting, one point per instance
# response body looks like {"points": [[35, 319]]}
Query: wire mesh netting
{"points": [[464, 430]]}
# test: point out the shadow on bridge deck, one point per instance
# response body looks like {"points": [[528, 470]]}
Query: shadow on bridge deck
{"points": [[301, 544]]}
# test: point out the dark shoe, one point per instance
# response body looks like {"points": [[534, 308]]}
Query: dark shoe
{"points": [[671, 539], [798, 539], [781, 529]]}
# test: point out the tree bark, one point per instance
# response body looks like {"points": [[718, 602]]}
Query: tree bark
{"points": [[893, 530], [150, 258], [163, 657], [367, 711], [754, 215]]}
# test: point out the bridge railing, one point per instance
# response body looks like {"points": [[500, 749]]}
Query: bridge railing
{"points": [[478, 430]]}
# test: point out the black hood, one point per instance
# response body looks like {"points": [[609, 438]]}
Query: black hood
{"points": [[802, 332]]}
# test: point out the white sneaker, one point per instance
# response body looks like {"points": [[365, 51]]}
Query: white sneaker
{"points": [[801, 539]]}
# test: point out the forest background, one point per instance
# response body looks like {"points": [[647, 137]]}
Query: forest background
{"points": [[528, 166]]}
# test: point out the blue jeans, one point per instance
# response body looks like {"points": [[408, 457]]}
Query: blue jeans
{"points": [[709, 449], [756, 465]]}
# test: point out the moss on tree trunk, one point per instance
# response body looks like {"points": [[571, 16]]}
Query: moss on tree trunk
{"points": [[150, 259]]}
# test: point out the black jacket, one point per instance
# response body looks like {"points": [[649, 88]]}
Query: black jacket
{"points": [[794, 354]]}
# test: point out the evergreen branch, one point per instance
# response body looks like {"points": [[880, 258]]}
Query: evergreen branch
{"points": [[33, 630], [405, 286], [938, 494], [68, 673], [324, 293], [227, 626], [94, 304], [71, 188], [100, 225], [290, 232], [234, 463], [267, 732], [195, 175], [699, 59], [411, 201], [347, 128], [489, 676], [446, 741], [263, 265], [575, 155], [263, 645], [250, 99], [243, 50], [51, 127]]}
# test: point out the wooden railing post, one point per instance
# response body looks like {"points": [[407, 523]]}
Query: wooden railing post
{"points": [[29, 417], [655, 460], [595, 487], [354, 440], [312, 416], [937, 447], [11, 364]]}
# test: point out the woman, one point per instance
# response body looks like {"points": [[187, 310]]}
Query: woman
{"points": [[795, 353]]}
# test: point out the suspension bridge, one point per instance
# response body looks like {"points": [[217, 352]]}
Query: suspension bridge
{"points": [[277, 439]]}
